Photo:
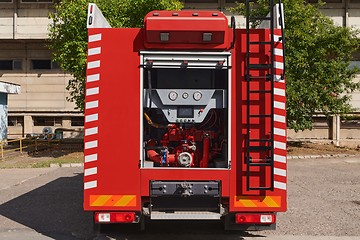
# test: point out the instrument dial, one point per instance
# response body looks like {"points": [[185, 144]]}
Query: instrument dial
{"points": [[197, 96], [173, 96], [185, 95]]}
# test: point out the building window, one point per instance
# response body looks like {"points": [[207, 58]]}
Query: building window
{"points": [[15, 121], [47, 121], [10, 64], [41, 64], [77, 121], [6, 1], [37, 1], [320, 123]]}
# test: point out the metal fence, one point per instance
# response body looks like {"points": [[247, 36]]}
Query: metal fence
{"points": [[16, 147]]}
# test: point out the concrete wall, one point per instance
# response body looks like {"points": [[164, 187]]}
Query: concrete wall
{"points": [[23, 30], [42, 89], [24, 20]]}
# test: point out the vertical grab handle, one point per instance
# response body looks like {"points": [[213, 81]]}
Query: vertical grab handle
{"points": [[233, 26], [281, 13]]}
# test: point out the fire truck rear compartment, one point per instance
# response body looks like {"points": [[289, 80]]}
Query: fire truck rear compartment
{"points": [[185, 110]]}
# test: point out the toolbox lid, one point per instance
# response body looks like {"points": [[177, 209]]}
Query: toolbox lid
{"points": [[189, 29]]}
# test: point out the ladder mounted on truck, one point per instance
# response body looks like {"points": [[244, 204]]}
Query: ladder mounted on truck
{"points": [[262, 143]]}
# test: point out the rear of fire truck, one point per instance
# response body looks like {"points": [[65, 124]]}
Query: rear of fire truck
{"points": [[185, 120]]}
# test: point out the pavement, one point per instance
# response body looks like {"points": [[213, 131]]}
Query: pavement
{"points": [[14, 177], [46, 203]]}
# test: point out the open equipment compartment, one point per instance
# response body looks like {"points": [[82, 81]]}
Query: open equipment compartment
{"points": [[185, 108]]}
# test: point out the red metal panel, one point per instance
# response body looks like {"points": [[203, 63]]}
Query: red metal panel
{"points": [[242, 200], [112, 118], [185, 30]]}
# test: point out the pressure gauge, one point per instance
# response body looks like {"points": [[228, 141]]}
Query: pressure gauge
{"points": [[197, 96], [173, 96], [185, 95]]}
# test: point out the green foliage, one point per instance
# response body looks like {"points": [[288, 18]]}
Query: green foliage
{"points": [[68, 33], [318, 54]]}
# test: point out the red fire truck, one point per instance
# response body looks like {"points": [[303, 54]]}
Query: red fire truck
{"points": [[185, 119]]}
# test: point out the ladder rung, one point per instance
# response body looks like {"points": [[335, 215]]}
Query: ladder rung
{"points": [[260, 115], [259, 148], [259, 66], [260, 164], [267, 76], [265, 42], [260, 140], [260, 188], [260, 91]]}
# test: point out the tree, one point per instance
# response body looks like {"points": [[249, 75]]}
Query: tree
{"points": [[68, 33], [318, 55]]}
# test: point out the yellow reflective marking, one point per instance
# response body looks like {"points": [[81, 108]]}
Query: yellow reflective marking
{"points": [[247, 202], [101, 200], [258, 201], [124, 200], [270, 202]]}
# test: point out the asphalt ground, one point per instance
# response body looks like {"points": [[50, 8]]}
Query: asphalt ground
{"points": [[323, 203]]}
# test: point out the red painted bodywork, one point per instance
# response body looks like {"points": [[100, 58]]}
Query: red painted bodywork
{"points": [[118, 137], [185, 29]]}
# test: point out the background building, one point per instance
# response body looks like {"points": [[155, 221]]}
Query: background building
{"points": [[26, 60]]}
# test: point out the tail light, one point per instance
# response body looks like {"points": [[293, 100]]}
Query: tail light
{"points": [[115, 217], [255, 218]]}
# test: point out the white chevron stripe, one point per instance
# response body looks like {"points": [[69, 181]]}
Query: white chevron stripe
{"points": [[278, 52], [280, 185], [92, 91], [91, 131], [90, 171], [280, 132], [92, 104], [92, 144], [91, 158], [88, 185], [95, 37], [279, 158], [278, 65], [94, 51], [279, 118], [93, 64], [279, 105], [93, 78], [91, 117], [280, 172], [280, 145], [279, 92]]}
